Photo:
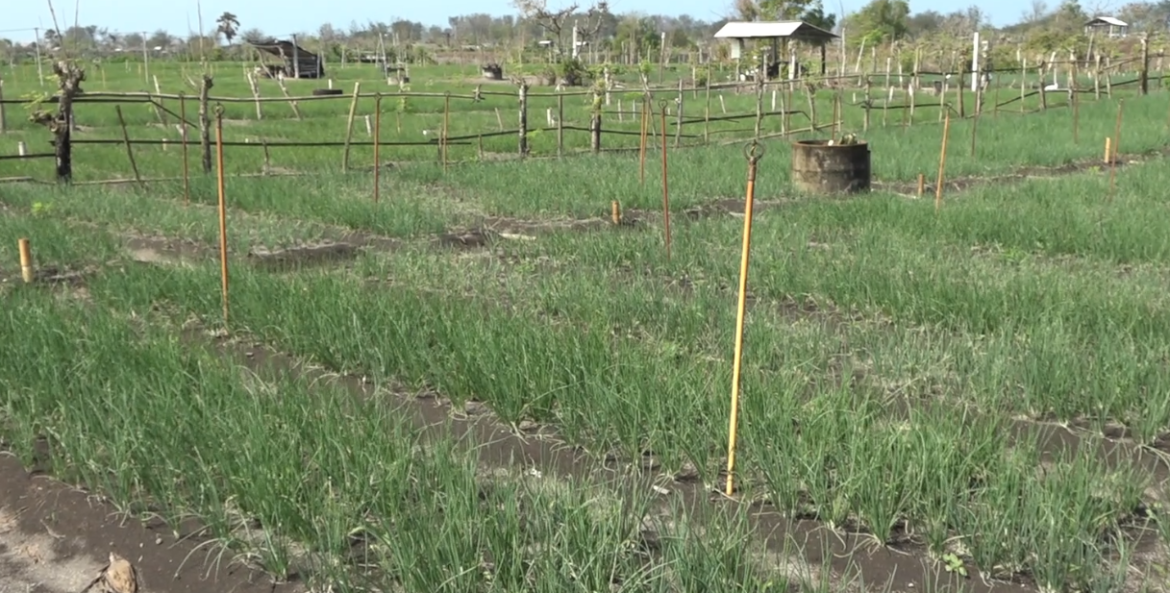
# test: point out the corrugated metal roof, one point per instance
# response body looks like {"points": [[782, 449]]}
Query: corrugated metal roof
{"points": [[283, 48], [1108, 20], [768, 29]]}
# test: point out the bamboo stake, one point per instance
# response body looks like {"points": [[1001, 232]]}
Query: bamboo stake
{"points": [[26, 268], [129, 149], [223, 246], [377, 144], [665, 195], [942, 163], [616, 212], [753, 152], [357, 87]]}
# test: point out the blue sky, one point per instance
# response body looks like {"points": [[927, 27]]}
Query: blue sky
{"points": [[274, 18]]}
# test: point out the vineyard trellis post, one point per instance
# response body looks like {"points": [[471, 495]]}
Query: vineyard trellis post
{"points": [[523, 132], [1145, 73], [3, 117], [205, 122], [595, 122]]}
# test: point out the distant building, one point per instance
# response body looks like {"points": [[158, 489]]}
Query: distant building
{"points": [[773, 31], [298, 61], [1107, 26]]}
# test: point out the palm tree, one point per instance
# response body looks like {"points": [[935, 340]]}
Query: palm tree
{"points": [[227, 25]]}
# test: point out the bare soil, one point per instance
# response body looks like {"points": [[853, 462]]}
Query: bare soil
{"points": [[56, 539]]}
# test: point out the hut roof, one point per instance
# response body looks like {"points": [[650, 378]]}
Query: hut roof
{"points": [[798, 30], [282, 48]]}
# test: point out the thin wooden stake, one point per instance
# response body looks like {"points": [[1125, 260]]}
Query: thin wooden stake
{"points": [[357, 87], [3, 117], [974, 130], [183, 134], [255, 95], [921, 184], [753, 153], [561, 124], [942, 163], [837, 115], [446, 127], [1076, 117], [223, 245], [377, 143], [707, 111], [642, 141], [129, 149], [1116, 149], [291, 102], [26, 268], [665, 194], [616, 212]]}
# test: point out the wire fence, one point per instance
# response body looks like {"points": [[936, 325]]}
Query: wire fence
{"points": [[685, 112]]}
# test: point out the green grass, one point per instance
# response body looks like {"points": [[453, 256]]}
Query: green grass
{"points": [[906, 372], [310, 479], [1006, 139]]}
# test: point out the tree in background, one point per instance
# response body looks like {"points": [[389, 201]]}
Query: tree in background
{"points": [[809, 11], [1061, 30], [556, 23], [227, 25], [1146, 16], [880, 21]]}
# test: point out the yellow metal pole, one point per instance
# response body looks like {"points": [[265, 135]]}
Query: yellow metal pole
{"points": [[223, 243], [753, 152]]}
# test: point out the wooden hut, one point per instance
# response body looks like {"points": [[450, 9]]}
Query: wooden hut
{"points": [[298, 62]]}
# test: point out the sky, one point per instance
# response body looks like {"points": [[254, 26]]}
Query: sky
{"points": [[19, 17]]}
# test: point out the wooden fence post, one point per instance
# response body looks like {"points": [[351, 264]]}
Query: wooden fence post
{"points": [[1145, 74], [205, 123], [1108, 77], [959, 92], [183, 135], [759, 102], [1023, 83], [1043, 93], [707, 110], [1097, 77], [868, 103], [561, 124], [595, 123], [523, 139]]}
